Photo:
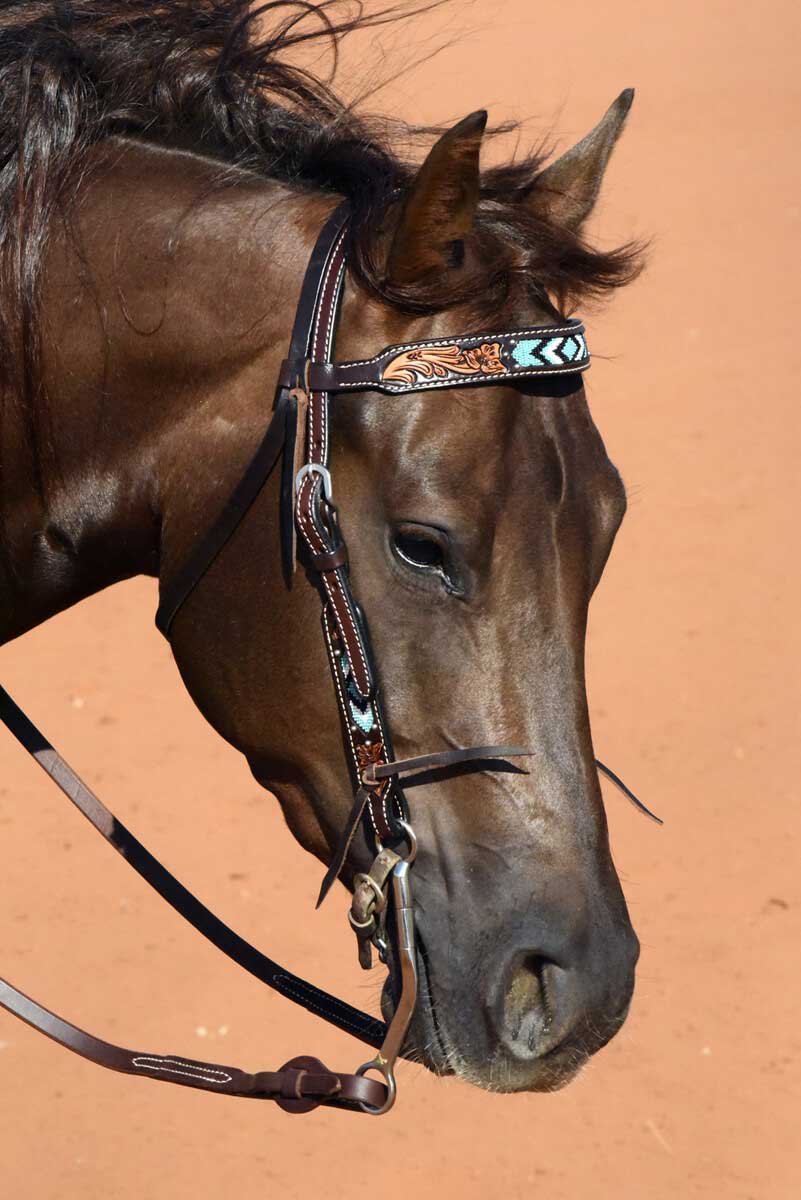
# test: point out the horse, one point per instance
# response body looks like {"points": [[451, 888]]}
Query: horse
{"points": [[166, 170]]}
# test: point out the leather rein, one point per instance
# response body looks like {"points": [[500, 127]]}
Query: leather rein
{"points": [[381, 914]]}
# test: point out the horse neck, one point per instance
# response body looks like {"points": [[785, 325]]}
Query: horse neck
{"points": [[166, 306]]}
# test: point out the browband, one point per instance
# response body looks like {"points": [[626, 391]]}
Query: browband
{"points": [[462, 361]]}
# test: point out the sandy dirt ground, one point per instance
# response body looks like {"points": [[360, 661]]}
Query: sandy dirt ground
{"points": [[693, 678]]}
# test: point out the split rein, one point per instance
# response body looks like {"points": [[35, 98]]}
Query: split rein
{"points": [[381, 914]]}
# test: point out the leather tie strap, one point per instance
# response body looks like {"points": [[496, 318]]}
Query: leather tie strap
{"points": [[373, 774], [444, 758], [627, 792]]}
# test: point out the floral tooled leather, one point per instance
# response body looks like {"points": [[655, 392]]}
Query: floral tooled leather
{"points": [[371, 754], [438, 362]]}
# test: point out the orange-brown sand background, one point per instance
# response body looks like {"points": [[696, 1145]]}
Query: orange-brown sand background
{"points": [[693, 674]]}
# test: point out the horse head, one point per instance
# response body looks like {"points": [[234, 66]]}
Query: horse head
{"points": [[478, 522], [165, 178]]}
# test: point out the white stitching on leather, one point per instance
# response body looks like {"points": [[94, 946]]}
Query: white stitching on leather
{"points": [[549, 330], [304, 519], [328, 269], [344, 708], [387, 790], [317, 544], [152, 1063], [325, 348], [316, 1007], [329, 336], [397, 389], [351, 622]]}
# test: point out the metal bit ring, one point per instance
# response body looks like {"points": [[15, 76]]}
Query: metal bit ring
{"points": [[385, 1070]]}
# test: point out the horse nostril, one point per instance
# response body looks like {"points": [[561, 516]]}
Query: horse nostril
{"points": [[527, 1013], [578, 998]]}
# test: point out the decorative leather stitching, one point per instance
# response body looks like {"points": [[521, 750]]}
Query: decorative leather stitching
{"points": [[549, 330], [384, 794], [348, 613], [152, 1063], [332, 309], [461, 381], [331, 302], [344, 707], [340, 601], [323, 288], [291, 990]]}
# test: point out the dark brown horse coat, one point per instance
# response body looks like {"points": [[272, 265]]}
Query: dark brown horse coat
{"points": [[140, 360]]}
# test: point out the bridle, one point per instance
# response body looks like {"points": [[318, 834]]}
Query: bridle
{"points": [[299, 432]]}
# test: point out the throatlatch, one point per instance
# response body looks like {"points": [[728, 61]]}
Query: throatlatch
{"points": [[381, 914]]}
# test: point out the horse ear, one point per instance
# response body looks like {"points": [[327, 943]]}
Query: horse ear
{"points": [[437, 212], [566, 191]]}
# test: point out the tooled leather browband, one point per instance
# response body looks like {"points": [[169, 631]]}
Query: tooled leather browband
{"points": [[482, 358]]}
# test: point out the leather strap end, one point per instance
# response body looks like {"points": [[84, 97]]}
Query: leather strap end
{"points": [[341, 852], [627, 792], [285, 379], [375, 772]]}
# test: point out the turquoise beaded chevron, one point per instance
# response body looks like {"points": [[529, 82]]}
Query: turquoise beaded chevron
{"points": [[554, 351], [362, 714]]}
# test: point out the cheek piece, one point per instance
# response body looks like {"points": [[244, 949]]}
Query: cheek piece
{"points": [[381, 914]]}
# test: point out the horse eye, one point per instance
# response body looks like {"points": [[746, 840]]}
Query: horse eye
{"points": [[419, 549]]}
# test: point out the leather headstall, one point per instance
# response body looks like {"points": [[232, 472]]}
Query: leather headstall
{"points": [[299, 433]]}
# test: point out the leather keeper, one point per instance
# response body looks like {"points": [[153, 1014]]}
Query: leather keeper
{"points": [[322, 1084], [292, 1084], [329, 560]]}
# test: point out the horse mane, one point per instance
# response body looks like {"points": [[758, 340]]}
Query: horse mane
{"points": [[216, 76]]}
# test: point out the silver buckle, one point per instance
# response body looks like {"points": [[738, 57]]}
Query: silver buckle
{"points": [[316, 469]]}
